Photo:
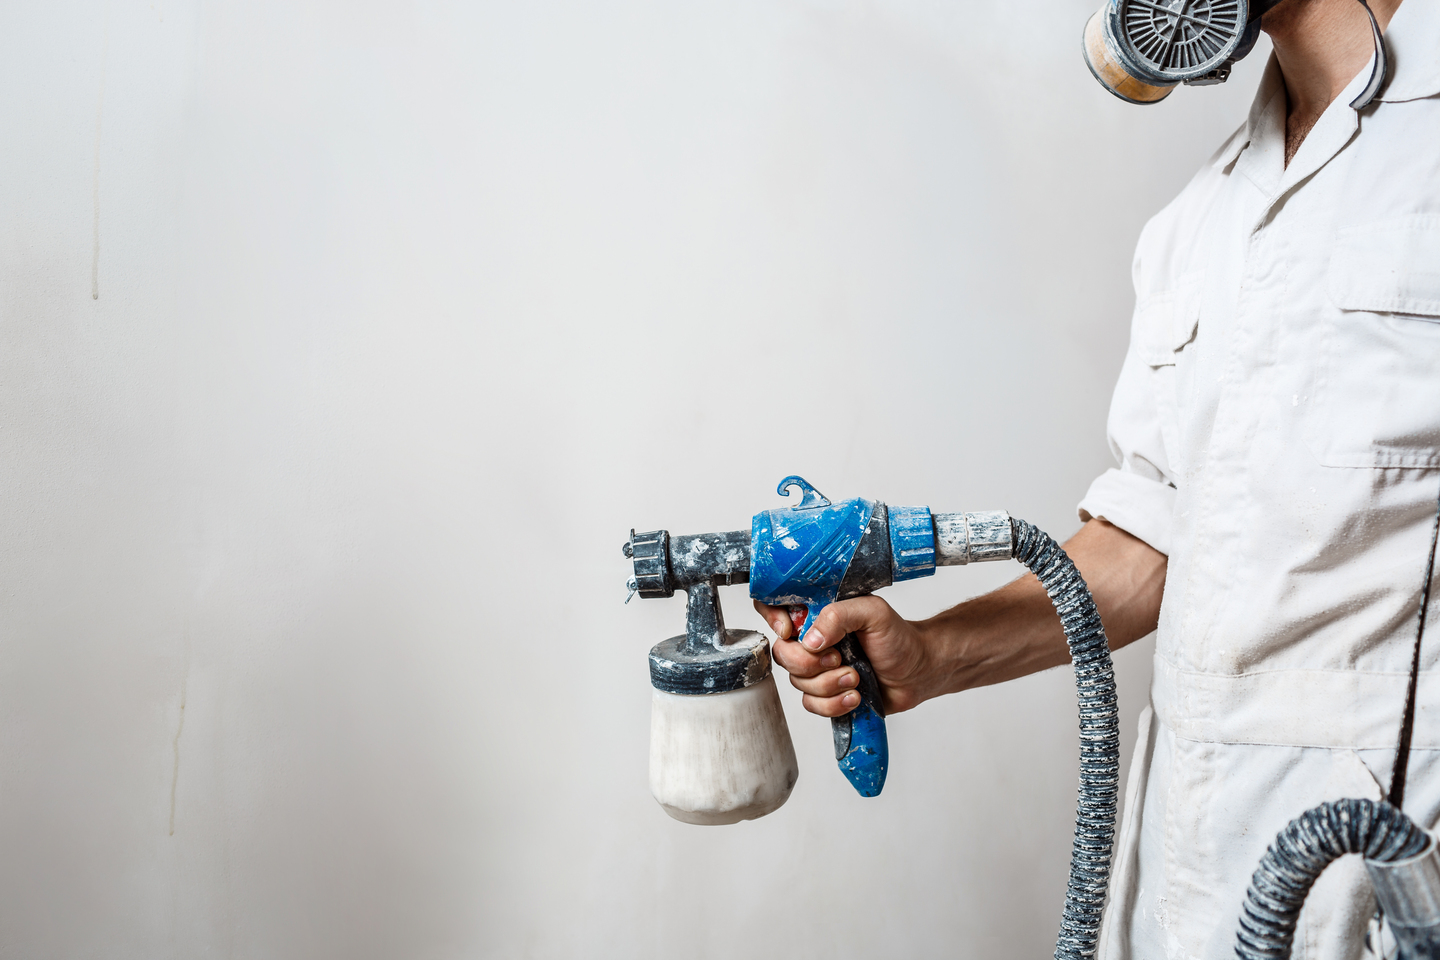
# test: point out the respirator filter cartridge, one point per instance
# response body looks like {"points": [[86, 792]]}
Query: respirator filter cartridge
{"points": [[1140, 50]]}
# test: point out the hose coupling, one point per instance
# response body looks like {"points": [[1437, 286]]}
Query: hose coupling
{"points": [[973, 537]]}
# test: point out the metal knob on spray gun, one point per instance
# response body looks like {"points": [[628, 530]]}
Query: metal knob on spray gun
{"points": [[807, 555]]}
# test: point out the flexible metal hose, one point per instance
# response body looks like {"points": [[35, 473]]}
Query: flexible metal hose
{"points": [[1099, 738], [1306, 846]]}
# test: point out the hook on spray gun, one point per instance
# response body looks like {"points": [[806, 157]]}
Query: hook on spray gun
{"points": [[809, 496]]}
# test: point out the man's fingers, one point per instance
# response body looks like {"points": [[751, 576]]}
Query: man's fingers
{"points": [[831, 683], [832, 706], [847, 616], [777, 617], [799, 662]]}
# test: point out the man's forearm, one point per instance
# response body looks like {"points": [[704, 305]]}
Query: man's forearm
{"points": [[1014, 631]]}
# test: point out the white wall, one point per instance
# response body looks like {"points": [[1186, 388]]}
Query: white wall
{"points": [[311, 635]]}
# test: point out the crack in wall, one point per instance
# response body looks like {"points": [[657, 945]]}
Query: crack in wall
{"points": [[95, 185]]}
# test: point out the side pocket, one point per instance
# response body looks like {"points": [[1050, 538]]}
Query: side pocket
{"points": [[1114, 942]]}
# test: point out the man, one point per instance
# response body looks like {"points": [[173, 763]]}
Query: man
{"points": [[1277, 427]]}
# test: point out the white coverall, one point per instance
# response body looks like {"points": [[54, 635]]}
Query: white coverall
{"points": [[1277, 425]]}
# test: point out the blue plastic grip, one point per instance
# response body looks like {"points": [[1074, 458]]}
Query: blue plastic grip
{"points": [[862, 748], [868, 759]]}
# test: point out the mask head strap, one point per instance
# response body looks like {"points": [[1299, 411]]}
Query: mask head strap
{"points": [[1381, 64]]}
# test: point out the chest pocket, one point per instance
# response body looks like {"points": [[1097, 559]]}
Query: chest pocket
{"points": [[1162, 335], [1375, 398], [1165, 322]]}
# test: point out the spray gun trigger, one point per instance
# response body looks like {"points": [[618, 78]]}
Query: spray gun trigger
{"points": [[799, 613], [633, 586]]}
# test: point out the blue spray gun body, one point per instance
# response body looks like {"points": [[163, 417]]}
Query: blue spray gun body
{"points": [[817, 552], [809, 554]]}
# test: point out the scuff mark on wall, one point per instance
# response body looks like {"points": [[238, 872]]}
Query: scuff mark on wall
{"points": [[179, 729]]}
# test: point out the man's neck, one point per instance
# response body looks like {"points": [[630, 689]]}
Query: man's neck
{"points": [[1320, 45]]}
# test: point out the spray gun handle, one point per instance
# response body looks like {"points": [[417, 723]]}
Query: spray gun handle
{"points": [[862, 748]]}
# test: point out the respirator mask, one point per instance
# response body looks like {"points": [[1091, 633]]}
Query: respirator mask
{"points": [[1140, 50]]}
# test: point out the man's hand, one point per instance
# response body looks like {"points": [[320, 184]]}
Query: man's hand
{"points": [[1002, 635], [894, 646]]}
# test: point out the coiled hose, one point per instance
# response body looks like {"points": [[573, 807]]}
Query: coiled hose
{"points": [[1307, 845], [1099, 738]]}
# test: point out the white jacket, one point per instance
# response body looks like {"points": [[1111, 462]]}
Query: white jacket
{"points": [[1277, 425]]}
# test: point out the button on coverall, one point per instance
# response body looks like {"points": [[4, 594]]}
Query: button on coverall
{"points": [[1277, 427]]}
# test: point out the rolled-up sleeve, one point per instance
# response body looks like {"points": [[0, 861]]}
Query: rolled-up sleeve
{"points": [[1139, 495]]}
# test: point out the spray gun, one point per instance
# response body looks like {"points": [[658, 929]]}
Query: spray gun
{"points": [[720, 750], [808, 555]]}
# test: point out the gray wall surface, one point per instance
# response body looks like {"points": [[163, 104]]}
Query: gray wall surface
{"points": [[341, 344]]}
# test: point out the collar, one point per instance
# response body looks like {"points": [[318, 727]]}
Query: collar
{"points": [[1258, 150], [1411, 40], [1413, 43], [1263, 107]]}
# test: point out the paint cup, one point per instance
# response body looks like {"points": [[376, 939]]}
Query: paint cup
{"points": [[719, 752]]}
